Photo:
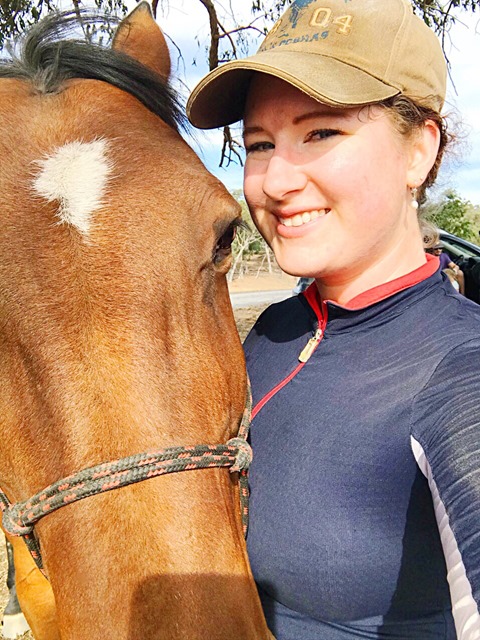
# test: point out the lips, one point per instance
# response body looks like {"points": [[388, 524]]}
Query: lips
{"points": [[305, 217]]}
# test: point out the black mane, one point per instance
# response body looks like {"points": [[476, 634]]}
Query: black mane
{"points": [[49, 56]]}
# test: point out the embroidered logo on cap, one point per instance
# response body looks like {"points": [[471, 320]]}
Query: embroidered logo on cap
{"points": [[296, 10], [323, 18]]}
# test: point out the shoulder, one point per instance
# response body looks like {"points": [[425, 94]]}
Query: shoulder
{"points": [[449, 401], [282, 322], [449, 311], [445, 332], [273, 345]]}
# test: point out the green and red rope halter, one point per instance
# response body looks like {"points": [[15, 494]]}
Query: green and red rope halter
{"points": [[19, 519]]}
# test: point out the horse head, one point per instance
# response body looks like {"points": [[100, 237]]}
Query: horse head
{"points": [[117, 336]]}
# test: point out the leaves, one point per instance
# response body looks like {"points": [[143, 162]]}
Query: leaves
{"points": [[441, 15], [18, 15], [454, 214]]}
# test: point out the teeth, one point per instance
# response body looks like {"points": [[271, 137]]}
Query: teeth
{"points": [[302, 218]]}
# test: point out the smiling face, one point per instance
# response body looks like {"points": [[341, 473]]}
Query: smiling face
{"points": [[329, 189]]}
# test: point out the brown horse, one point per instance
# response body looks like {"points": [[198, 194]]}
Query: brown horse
{"points": [[117, 337]]}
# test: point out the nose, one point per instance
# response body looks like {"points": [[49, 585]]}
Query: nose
{"points": [[282, 178]]}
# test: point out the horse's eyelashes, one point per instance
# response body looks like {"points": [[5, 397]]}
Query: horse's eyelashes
{"points": [[223, 248], [228, 237]]}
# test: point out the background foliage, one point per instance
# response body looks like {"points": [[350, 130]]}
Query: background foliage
{"points": [[455, 215], [17, 15]]}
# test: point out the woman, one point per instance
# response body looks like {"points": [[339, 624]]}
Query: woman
{"points": [[366, 431], [446, 263]]}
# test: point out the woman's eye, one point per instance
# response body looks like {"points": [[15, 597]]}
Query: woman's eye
{"points": [[321, 134], [258, 146]]}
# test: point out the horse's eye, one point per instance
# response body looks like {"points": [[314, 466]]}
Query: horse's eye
{"points": [[223, 248]]}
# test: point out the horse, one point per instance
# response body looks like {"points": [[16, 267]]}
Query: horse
{"points": [[118, 342]]}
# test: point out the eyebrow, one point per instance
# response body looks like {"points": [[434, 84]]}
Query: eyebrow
{"points": [[251, 130], [319, 113], [311, 115]]}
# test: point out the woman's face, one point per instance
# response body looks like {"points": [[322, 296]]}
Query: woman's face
{"points": [[328, 188]]}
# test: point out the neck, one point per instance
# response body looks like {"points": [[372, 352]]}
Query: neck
{"points": [[343, 287]]}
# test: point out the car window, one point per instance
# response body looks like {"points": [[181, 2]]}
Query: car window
{"points": [[455, 249]]}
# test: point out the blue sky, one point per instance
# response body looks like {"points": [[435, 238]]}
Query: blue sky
{"points": [[186, 23]]}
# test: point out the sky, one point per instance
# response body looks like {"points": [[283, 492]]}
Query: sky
{"points": [[186, 23]]}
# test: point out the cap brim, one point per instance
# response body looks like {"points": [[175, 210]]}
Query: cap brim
{"points": [[219, 99]]}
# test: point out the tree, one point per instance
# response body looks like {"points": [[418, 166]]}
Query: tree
{"points": [[452, 213], [248, 244], [17, 15]]}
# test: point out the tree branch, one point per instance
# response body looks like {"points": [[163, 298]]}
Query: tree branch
{"points": [[214, 33], [230, 149]]}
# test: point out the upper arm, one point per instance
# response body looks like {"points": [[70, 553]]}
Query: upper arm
{"points": [[446, 444]]}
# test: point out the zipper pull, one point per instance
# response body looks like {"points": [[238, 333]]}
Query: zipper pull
{"points": [[310, 346]]}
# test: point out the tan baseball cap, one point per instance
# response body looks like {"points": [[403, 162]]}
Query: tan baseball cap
{"points": [[341, 52]]}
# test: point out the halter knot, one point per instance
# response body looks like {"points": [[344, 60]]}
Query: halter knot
{"points": [[12, 521], [244, 454]]}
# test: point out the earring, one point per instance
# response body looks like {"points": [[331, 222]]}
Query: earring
{"points": [[414, 202]]}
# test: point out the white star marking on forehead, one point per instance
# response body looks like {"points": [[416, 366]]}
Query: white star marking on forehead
{"points": [[75, 175]]}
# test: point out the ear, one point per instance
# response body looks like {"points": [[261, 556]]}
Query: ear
{"points": [[423, 153], [139, 36]]}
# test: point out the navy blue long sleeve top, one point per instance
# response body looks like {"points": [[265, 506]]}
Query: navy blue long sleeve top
{"points": [[365, 482]]}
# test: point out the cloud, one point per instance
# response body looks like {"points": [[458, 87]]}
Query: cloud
{"points": [[463, 97]]}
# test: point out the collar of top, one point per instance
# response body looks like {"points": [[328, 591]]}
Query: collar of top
{"points": [[388, 298]]}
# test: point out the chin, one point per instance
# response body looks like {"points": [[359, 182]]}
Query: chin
{"points": [[302, 261], [300, 269]]}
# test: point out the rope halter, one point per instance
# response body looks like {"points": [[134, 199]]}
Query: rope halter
{"points": [[19, 519]]}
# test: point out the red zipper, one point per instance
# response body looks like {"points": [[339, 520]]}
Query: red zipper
{"points": [[304, 357]]}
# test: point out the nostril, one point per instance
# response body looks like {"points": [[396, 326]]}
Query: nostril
{"points": [[283, 177]]}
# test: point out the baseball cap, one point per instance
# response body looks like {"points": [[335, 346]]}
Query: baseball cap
{"points": [[343, 53]]}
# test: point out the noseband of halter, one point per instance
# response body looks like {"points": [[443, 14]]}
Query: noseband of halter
{"points": [[19, 519]]}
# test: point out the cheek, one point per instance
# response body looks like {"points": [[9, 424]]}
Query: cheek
{"points": [[248, 186], [353, 169], [252, 178], [343, 173], [372, 179], [252, 189]]}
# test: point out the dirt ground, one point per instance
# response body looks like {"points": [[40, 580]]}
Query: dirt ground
{"points": [[263, 282], [245, 318]]}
